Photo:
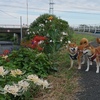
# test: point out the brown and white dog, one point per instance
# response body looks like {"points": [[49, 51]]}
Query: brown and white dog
{"points": [[93, 55], [76, 52], [73, 54], [98, 40], [81, 56], [84, 41]]}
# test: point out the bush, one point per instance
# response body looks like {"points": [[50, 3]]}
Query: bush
{"points": [[56, 30], [31, 61], [16, 85]]}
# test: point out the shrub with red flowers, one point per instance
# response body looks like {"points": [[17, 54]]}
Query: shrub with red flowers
{"points": [[5, 52], [35, 42], [55, 29]]}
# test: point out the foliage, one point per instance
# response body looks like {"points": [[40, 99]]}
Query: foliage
{"points": [[55, 29], [14, 84], [6, 37], [29, 60]]}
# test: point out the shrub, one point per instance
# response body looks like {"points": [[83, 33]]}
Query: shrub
{"points": [[29, 60], [16, 85], [56, 30]]}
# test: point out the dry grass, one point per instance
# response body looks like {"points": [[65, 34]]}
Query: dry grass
{"points": [[62, 88], [65, 83]]}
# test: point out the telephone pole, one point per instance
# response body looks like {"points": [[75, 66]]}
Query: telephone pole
{"points": [[51, 7], [27, 11]]}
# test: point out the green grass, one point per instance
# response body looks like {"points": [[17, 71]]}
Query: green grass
{"points": [[78, 37], [66, 83], [64, 64]]}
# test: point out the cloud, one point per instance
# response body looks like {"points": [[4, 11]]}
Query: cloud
{"points": [[70, 10]]}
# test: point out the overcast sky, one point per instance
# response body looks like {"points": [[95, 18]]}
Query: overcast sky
{"points": [[74, 11]]}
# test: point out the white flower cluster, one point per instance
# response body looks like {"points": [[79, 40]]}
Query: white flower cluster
{"points": [[16, 89], [16, 72], [3, 71], [23, 85], [12, 72], [38, 81], [4, 56]]}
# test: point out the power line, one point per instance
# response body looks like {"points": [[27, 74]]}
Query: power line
{"points": [[8, 14], [22, 7], [78, 12], [54, 10]]}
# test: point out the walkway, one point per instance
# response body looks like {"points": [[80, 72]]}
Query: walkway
{"points": [[90, 82]]}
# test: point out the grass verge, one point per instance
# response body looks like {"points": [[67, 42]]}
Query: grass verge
{"points": [[64, 82]]}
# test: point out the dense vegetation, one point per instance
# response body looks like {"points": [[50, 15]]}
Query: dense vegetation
{"points": [[27, 60]]}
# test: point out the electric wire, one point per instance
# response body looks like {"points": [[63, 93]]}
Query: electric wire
{"points": [[8, 14], [54, 10]]}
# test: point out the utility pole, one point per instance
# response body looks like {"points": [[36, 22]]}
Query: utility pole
{"points": [[27, 11], [51, 7], [21, 28]]}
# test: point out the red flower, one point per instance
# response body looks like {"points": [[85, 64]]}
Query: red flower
{"points": [[6, 52], [38, 38], [35, 42]]}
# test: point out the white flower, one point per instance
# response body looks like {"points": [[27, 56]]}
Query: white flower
{"points": [[16, 72], [13, 89], [46, 21], [33, 78], [45, 84], [41, 25], [40, 42], [5, 57], [63, 33], [51, 41], [69, 41], [48, 35], [61, 39], [3, 71], [23, 84], [39, 82]]}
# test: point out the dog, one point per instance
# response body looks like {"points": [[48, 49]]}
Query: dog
{"points": [[76, 52], [93, 55], [81, 56], [98, 40], [72, 50], [84, 41]]}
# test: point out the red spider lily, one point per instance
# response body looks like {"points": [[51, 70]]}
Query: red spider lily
{"points": [[38, 38], [4, 55], [35, 42], [6, 52]]}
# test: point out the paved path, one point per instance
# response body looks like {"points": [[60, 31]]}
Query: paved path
{"points": [[90, 82]]}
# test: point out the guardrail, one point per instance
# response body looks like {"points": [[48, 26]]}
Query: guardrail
{"points": [[84, 28], [13, 26]]}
